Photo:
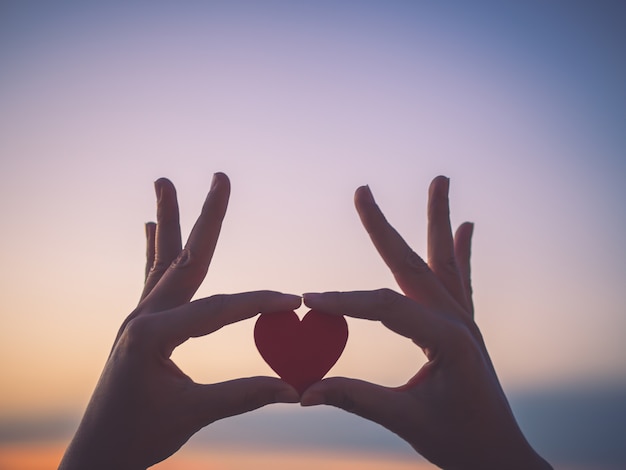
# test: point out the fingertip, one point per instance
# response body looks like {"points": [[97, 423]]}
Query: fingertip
{"points": [[269, 300], [470, 227], [363, 197], [266, 301], [221, 175], [165, 195], [327, 302], [316, 393], [364, 194], [465, 230], [150, 228], [312, 398], [220, 180], [267, 390], [440, 185], [218, 195], [162, 180], [293, 300], [310, 298], [288, 394], [162, 184]]}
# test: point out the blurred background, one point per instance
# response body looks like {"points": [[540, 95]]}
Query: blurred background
{"points": [[522, 105]]}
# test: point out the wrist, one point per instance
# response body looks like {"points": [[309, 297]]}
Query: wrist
{"points": [[523, 457], [80, 461], [95, 454]]}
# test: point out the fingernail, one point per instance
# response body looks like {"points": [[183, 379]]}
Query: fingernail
{"points": [[149, 226], [367, 195], [443, 184], [471, 230], [438, 189], [158, 189], [215, 182]]}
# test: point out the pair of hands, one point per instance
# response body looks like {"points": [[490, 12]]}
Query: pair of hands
{"points": [[453, 411]]}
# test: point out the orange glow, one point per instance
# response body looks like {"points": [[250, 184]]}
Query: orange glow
{"points": [[31, 456], [44, 456], [236, 460], [47, 455]]}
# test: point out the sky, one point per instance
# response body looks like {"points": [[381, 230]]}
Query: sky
{"points": [[522, 105]]}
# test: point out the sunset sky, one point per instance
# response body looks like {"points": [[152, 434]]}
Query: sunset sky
{"points": [[522, 105]]}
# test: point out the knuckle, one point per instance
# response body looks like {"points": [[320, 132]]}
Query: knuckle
{"points": [[462, 337], [448, 265], [445, 266], [158, 267], [413, 263], [218, 301], [136, 333], [343, 400], [192, 262], [184, 259], [216, 304], [387, 297]]}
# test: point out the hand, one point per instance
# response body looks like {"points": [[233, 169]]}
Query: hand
{"points": [[453, 411], [144, 408]]}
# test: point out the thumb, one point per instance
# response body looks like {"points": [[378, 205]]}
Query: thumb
{"points": [[221, 400], [376, 403]]}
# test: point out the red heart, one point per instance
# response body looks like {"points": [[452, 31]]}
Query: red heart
{"points": [[300, 352]]}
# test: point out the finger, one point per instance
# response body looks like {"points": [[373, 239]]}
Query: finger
{"points": [[168, 243], [218, 401], [182, 279], [150, 248], [397, 312], [203, 316], [441, 256], [376, 403], [412, 274], [462, 253]]}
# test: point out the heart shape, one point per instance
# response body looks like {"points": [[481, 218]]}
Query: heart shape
{"points": [[300, 352]]}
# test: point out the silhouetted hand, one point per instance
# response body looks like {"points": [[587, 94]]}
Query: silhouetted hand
{"points": [[144, 408], [453, 411]]}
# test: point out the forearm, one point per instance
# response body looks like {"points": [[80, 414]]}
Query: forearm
{"points": [[509, 451]]}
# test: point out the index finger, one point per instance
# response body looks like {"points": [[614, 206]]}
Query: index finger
{"points": [[397, 312], [412, 274], [204, 316]]}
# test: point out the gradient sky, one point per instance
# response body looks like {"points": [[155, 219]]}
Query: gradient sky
{"points": [[523, 106]]}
